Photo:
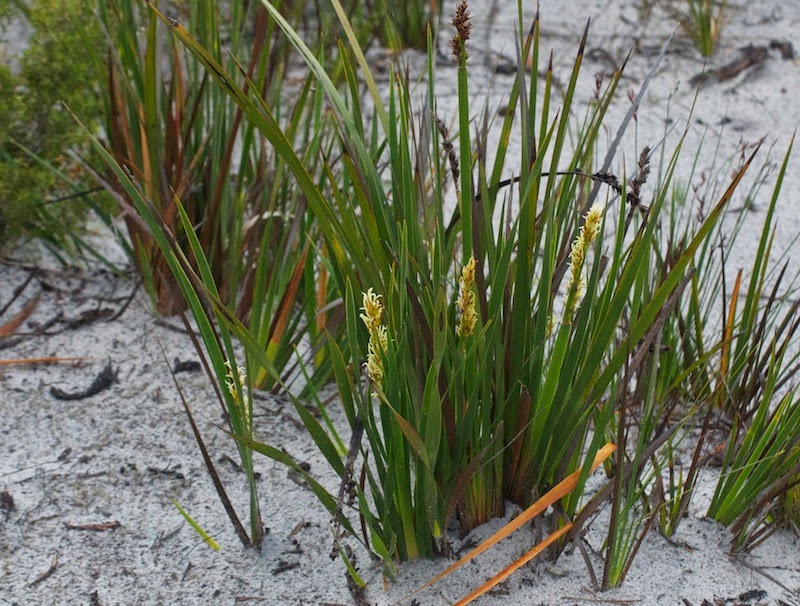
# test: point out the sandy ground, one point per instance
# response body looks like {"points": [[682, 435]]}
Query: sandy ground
{"points": [[118, 458]]}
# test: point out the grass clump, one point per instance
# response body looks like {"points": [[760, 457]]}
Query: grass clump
{"points": [[209, 208], [401, 24], [704, 24], [702, 20], [185, 140], [487, 348], [182, 138], [700, 397], [485, 363]]}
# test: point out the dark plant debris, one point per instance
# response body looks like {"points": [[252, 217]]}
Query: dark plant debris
{"points": [[7, 505], [102, 381], [97, 527], [753, 597], [749, 56], [46, 574], [284, 567], [172, 473], [185, 366]]}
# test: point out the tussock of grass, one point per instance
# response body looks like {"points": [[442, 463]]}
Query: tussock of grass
{"points": [[476, 363]]}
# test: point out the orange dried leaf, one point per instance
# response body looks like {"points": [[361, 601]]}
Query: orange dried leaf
{"points": [[20, 361], [14, 323], [726, 348], [287, 302], [512, 568], [559, 491]]}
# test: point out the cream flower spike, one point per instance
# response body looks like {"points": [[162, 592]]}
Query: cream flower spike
{"points": [[378, 341], [589, 231], [466, 300], [373, 310], [230, 383]]}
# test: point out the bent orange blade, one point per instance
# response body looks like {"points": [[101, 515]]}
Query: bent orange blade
{"points": [[512, 568], [559, 491]]}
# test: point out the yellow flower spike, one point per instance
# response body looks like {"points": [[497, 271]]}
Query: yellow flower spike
{"points": [[466, 299], [378, 341], [374, 364], [230, 383], [382, 338], [468, 273], [373, 310], [594, 219], [580, 289], [587, 234], [577, 255]]}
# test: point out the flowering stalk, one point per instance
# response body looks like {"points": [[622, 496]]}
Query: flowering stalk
{"points": [[576, 287], [466, 300], [230, 383], [462, 23], [373, 311]]}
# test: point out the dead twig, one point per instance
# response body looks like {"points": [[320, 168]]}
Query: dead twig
{"points": [[17, 292], [96, 527], [284, 567], [127, 302], [46, 574], [738, 560]]}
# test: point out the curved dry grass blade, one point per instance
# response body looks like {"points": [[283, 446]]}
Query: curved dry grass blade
{"points": [[725, 360], [14, 323], [17, 292], [512, 568], [20, 361], [559, 491]]}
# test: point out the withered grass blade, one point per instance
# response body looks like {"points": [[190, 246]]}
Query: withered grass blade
{"points": [[558, 492], [512, 568]]}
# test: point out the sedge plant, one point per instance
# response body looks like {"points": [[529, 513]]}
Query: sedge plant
{"points": [[181, 139], [728, 336], [653, 408], [209, 208], [758, 366], [479, 342], [698, 374], [760, 464], [184, 139], [704, 23], [702, 20], [403, 24]]}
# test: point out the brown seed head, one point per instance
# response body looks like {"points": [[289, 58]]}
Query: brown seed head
{"points": [[463, 24], [634, 195]]}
